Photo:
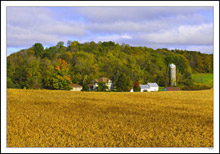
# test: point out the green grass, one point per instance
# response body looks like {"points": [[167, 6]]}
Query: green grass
{"points": [[204, 78]]}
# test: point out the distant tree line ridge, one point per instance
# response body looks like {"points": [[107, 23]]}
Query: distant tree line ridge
{"points": [[80, 63]]}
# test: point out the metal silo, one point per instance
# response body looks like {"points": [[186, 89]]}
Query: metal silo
{"points": [[172, 69]]}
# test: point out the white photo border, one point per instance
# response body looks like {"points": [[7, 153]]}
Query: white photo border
{"points": [[4, 5]]}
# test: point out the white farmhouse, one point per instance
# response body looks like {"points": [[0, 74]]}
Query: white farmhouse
{"points": [[107, 82], [149, 87]]}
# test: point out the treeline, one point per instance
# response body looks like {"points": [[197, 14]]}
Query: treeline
{"points": [[80, 63]]}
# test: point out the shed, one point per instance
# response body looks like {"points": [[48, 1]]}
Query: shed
{"points": [[75, 87]]}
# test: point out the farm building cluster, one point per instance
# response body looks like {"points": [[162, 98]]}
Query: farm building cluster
{"points": [[94, 86], [149, 87]]}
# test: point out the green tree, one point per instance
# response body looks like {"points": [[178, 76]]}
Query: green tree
{"points": [[74, 46], [85, 87], [10, 73], [60, 48], [124, 83], [129, 83], [31, 73], [38, 50], [46, 69]]}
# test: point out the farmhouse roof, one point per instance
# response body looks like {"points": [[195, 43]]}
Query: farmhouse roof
{"points": [[144, 86], [172, 88], [75, 85], [153, 85], [102, 79]]}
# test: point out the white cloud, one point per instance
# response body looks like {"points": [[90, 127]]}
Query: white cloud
{"points": [[18, 36], [112, 37], [28, 16], [184, 34], [144, 26], [28, 25], [61, 28], [113, 14]]}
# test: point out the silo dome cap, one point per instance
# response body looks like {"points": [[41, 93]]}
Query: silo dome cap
{"points": [[172, 65]]}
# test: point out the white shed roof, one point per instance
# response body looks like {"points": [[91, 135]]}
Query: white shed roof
{"points": [[152, 85]]}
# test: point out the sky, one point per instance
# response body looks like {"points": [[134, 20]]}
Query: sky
{"points": [[186, 28]]}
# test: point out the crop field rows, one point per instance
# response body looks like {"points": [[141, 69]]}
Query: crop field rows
{"points": [[46, 118]]}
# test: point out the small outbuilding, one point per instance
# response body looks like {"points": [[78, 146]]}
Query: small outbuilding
{"points": [[171, 89], [75, 87]]}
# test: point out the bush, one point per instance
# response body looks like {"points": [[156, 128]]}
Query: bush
{"points": [[115, 90]]}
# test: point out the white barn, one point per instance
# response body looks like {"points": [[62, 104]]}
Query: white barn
{"points": [[144, 88], [149, 87]]}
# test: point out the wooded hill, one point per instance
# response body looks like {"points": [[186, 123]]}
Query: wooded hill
{"points": [[80, 63]]}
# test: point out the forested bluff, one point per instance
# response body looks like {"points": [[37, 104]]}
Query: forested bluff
{"points": [[57, 66]]}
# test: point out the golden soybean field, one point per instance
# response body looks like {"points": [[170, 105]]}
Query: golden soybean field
{"points": [[46, 118]]}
